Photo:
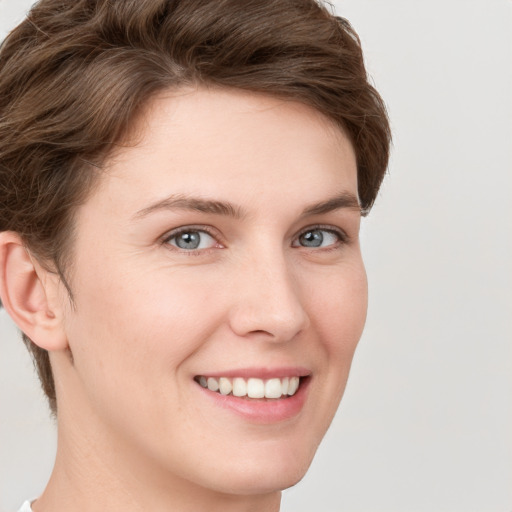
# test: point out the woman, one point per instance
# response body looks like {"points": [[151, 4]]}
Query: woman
{"points": [[183, 185]]}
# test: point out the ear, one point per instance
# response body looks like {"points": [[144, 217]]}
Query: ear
{"points": [[29, 293]]}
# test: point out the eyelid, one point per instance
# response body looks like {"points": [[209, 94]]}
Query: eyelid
{"points": [[169, 235], [209, 230], [340, 233]]}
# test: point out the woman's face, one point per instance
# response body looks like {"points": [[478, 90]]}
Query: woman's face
{"points": [[220, 250]]}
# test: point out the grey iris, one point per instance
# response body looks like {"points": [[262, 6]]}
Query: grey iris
{"points": [[188, 240], [312, 238]]}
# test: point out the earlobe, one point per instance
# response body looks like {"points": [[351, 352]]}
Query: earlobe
{"points": [[26, 291]]}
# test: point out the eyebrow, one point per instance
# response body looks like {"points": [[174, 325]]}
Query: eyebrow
{"points": [[345, 200], [183, 202]]}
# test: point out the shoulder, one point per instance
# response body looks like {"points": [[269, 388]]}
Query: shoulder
{"points": [[25, 507]]}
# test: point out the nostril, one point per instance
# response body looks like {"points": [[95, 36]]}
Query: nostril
{"points": [[261, 331]]}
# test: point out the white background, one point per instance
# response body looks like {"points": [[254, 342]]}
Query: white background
{"points": [[426, 422]]}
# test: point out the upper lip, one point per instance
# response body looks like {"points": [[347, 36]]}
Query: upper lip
{"points": [[261, 372]]}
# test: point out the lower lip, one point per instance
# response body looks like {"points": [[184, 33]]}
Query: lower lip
{"points": [[261, 410]]}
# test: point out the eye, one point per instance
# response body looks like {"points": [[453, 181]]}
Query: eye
{"points": [[318, 238], [191, 240]]}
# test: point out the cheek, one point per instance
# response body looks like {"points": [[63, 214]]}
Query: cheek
{"points": [[339, 308], [130, 329], [339, 315]]}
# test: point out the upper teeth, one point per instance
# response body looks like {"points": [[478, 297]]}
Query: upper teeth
{"points": [[253, 388]]}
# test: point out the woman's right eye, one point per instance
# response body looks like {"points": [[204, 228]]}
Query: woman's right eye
{"points": [[192, 240]]}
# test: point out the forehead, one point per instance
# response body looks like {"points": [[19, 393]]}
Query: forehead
{"points": [[230, 143]]}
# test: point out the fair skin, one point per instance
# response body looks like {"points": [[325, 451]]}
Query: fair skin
{"points": [[223, 244]]}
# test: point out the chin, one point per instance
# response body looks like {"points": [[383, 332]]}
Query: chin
{"points": [[257, 476], [246, 485]]}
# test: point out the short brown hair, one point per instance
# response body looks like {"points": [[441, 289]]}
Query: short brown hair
{"points": [[75, 73]]}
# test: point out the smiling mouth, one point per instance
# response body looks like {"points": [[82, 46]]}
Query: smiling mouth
{"points": [[275, 388]]}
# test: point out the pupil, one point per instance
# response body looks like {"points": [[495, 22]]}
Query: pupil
{"points": [[312, 238], [189, 240]]}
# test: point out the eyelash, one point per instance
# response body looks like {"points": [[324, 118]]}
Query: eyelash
{"points": [[341, 235], [190, 229]]}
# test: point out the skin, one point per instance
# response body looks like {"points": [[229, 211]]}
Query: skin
{"points": [[136, 432]]}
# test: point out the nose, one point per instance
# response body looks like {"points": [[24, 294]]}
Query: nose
{"points": [[268, 302]]}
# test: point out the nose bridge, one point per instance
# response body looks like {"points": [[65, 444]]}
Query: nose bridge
{"points": [[269, 300]]}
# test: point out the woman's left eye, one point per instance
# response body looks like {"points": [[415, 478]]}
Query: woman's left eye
{"points": [[192, 240], [318, 238]]}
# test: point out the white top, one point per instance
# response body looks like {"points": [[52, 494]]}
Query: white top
{"points": [[25, 507]]}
